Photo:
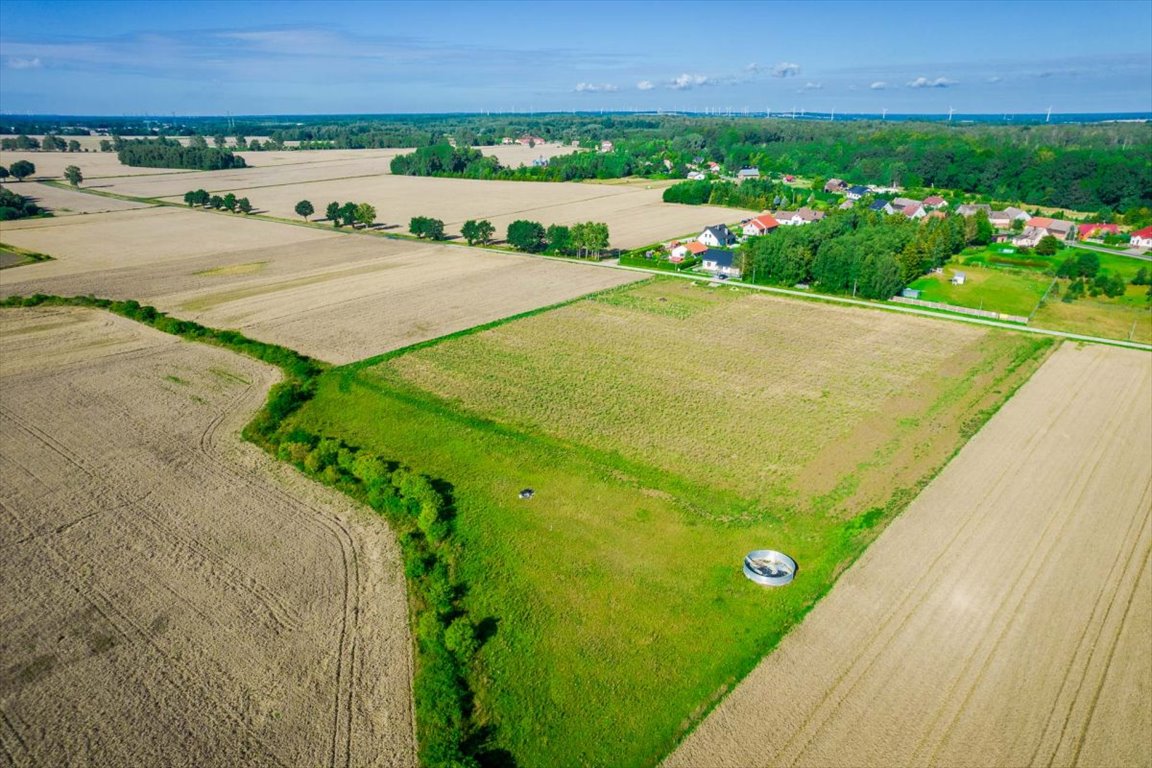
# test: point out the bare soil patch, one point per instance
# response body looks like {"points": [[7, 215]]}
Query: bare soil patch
{"points": [[1003, 619], [174, 597]]}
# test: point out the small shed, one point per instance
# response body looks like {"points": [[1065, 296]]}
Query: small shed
{"points": [[910, 293], [958, 278]]}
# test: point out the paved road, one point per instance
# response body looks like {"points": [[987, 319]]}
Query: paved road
{"points": [[899, 308], [1131, 253]]}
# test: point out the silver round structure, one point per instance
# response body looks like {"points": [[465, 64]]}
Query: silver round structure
{"points": [[769, 567]]}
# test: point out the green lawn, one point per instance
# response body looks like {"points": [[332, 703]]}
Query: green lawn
{"points": [[1015, 292], [619, 610]]}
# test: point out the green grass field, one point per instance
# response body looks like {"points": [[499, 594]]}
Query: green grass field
{"points": [[1014, 292], [1001, 280], [667, 430]]}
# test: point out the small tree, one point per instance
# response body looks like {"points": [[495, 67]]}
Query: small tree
{"points": [[3, 173], [230, 202], [1047, 246], [219, 140], [244, 205], [460, 638], [1141, 277], [423, 226], [1088, 264], [559, 239], [365, 215], [348, 214], [73, 146], [477, 231], [216, 202], [73, 175], [332, 212], [105, 145], [304, 208], [22, 169]]}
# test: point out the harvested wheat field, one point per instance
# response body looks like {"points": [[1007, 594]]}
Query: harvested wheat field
{"points": [[636, 215], [172, 596], [94, 165], [333, 295], [1003, 619], [65, 202]]}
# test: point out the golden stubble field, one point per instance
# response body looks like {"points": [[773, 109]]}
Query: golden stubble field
{"points": [[171, 595], [1003, 619], [333, 295]]}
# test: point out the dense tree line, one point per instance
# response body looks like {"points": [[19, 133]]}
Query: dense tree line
{"points": [[169, 153], [587, 239], [869, 255], [227, 202], [756, 194]]}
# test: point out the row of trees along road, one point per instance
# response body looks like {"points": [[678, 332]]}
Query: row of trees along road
{"points": [[228, 202], [586, 239], [349, 214]]}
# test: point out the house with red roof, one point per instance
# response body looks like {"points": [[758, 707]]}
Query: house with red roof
{"points": [[1141, 238], [761, 225], [1039, 227], [935, 201], [1097, 230]]}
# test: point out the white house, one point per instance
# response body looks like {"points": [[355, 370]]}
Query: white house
{"points": [[681, 251], [1141, 238], [717, 236], [958, 278], [857, 192], [761, 225], [797, 218], [720, 262]]}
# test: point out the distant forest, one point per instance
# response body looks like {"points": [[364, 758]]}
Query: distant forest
{"points": [[1098, 167], [169, 153]]}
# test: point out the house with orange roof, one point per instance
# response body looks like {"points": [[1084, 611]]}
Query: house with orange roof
{"points": [[681, 251], [761, 225], [1084, 231]]}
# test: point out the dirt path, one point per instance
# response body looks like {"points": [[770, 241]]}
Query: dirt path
{"points": [[1003, 619], [172, 596]]}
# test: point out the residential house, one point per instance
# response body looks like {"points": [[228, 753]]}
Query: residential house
{"points": [[713, 166], [606, 146], [797, 218], [761, 225], [540, 162], [1016, 214], [900, 203], [1000, 219], [789, 178], [528, 140], [935, 201], [697, 176], [717, 236], [748, 173], [1039, 227], [970, 209], [835, 185], [857, 192], [681, 251], [914, 211], [720, 262], [1085, 231], [882, 206], [847, 205], [507, 140], [1141, 238], [958, 278]]}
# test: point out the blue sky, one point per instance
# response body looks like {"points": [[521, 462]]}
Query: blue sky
{"points": [[197, 58]]}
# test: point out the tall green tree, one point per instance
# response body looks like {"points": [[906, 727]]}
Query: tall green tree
{"points": [[304, 209], [332, 213], [73, 175], [3, 173], [365, 215], [244, 205], [21, 169], [526, 235]]}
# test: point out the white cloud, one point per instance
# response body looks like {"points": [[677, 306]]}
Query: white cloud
{"points": [[995, 79], [687, 81], [16, 63], [810, 86], [595, 88], [786, 69], [879, 85], [923, 82], [645, 85]]}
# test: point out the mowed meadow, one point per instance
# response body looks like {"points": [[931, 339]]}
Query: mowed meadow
{"points": [[667, 429]]}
